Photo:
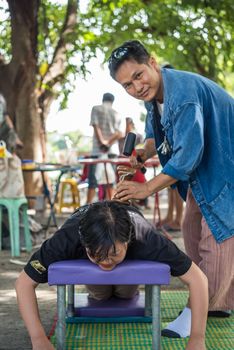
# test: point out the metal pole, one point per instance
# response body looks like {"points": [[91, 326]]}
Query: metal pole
{"points": [[107, 181], [156, 319], [61, 322], [51, 203], [148, 300], [71, 300]]}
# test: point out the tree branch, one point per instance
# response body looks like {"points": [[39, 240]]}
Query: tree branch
{"points": [[56, 68]]}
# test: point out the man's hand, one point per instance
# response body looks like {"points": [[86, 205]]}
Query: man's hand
{"points": [[104, 148], [145, 153], [126, 190], [134, 159], [125, 172]]}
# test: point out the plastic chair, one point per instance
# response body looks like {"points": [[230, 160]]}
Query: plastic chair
{"points": [[13, 206], [70, 183]]}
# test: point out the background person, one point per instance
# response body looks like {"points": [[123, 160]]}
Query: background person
{"points": [[194, 138], [173, 218], [108, 232], [7, 130], [130, 127], [106, 133]]}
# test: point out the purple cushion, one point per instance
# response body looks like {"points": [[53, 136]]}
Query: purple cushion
{"points": [[128, 272], [113, 307]]}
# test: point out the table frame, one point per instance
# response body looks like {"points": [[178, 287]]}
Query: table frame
{"points": [[43, 168], [63, 169]]}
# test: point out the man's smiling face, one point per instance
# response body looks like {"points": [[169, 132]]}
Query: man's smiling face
{"points": [[142, 81]]}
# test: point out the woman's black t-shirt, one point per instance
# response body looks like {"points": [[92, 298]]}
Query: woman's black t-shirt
{"points": [[148, 244]]}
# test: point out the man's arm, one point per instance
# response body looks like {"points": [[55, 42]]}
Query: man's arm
{"points": [[198, 302], [11, 126], [106, 141], [149, 147], [114, 137], [99, 136], [126, 190], [27, 301]]}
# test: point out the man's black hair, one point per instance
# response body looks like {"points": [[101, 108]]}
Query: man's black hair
{"points": [[129, 50], [168, 65], [102, 224], [108, 97]]}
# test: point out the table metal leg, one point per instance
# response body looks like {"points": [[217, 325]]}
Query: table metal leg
{"points": [[157, 213], [107, 182], [51, 203], [61, 322], [71, 300], [156, 319], [148, 300]]}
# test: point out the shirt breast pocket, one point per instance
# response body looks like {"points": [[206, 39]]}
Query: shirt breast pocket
{"points": [[222, 206]]}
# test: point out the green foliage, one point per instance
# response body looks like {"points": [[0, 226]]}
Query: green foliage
{"points": [[5, 30], [71, 140], [190, 34], [195, 35]]}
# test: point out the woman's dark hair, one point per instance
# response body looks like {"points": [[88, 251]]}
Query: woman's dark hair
{"points": [[129, 50], [102, 224]]}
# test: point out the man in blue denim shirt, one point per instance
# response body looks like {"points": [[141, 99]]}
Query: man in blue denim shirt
{"points": [[194, 137]]}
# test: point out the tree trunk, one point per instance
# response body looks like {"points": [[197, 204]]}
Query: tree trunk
{"points": [[28, 104], [19, 83]]}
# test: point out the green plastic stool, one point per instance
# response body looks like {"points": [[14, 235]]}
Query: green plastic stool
{"points": [[13, 206]]}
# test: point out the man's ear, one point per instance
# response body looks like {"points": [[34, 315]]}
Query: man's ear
{"points": [[153, 63]]}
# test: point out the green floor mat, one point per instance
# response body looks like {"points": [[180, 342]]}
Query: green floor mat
{"points": [[138, 336]]}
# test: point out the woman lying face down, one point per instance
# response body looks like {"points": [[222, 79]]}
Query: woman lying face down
{"points": [[107, 233]]}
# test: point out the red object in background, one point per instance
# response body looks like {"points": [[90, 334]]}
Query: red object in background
{"points": [[84, 175], [134, 153], [139, 177]]}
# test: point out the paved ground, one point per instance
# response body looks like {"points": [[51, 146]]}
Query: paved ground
{"points": [[12, 331]]}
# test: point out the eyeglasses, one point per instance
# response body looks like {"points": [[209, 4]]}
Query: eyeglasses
{"points": [[118, 54]]}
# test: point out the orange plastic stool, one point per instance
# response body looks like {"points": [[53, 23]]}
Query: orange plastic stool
{"points": [[72, 185]]}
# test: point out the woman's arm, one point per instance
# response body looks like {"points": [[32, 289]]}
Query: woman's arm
{"points": [[27, 301], [198, 302]]}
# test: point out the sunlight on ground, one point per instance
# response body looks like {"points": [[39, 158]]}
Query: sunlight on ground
{"points": [[10, 274], [46, 295], [6, 295]]}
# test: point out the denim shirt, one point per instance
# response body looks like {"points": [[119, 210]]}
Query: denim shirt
{"points": [[198, 123]]}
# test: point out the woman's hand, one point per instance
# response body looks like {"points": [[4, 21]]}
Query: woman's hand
{"points": [[42, 343], [27, 301]]}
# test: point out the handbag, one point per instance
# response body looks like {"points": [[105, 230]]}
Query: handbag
{"points": [[11, 176]]}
